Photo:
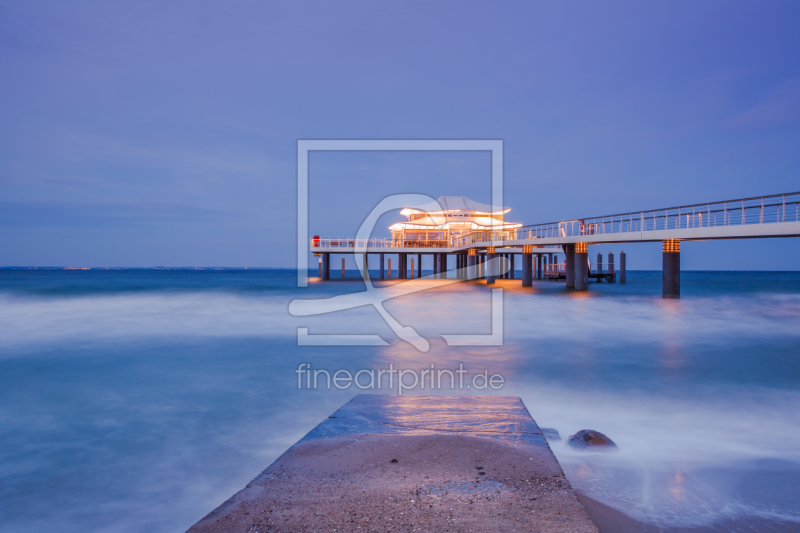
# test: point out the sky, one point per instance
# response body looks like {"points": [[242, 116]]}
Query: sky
{"points": [[165, 133]]}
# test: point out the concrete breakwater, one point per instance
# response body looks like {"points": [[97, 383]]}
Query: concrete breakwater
{"points": [[411, 463]]}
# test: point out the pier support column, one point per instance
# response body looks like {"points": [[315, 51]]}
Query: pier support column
{"points": [[581, 266], [471, 261], [622, 268], [419, 265], [569, 265], [326, 266], [599, 267], [512, 266], [539, 274], [389, 266], [343, 271], [671, 269], [381, 265], [366, 264], [320, 266], [527, 265], [490, 272], [611, 269]]}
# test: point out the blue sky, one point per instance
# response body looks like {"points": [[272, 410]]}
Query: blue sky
{"points": [[142, 134]]}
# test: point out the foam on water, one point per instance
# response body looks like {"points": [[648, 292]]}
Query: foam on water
{"points": [[138, 401]]}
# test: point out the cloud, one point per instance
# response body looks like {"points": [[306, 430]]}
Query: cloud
{"points": [[81, 214], [780, 106]]}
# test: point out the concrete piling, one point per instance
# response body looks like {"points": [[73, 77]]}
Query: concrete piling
{"points": [[342, 267], [539, 261], [611, 269], [326, 266], [622, 269], [671, 269], [581, 266], [511, 270], [471, 260], [569, 265], [320, 267], [527, 265], [381, 265], [490, 272], [599, 267], [389, 268], [419, 265]]}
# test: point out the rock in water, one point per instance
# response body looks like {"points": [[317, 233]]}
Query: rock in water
{"points": [[588, 438], [550, 434]]}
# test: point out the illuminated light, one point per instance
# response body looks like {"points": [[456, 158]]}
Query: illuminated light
{"points": [[527, 248], [490, 250], [472, 251], [672, 246], [581, 248]]}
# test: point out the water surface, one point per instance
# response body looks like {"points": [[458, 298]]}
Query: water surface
{"points": [[138, 400]]}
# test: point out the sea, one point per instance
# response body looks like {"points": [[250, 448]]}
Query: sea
{"points": [[139, 400]]}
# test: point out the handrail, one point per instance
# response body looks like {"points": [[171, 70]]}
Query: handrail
{"points": [[692, 205], [744, 211], [378, 243]]}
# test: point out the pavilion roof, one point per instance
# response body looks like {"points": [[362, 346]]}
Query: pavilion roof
{"points": [[457, 203]]}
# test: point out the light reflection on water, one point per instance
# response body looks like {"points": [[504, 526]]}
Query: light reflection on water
{"points": [[138, 401]]}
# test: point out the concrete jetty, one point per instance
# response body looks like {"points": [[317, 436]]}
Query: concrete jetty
{"points": [[411, 463]]}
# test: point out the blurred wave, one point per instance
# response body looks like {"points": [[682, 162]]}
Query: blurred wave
{"points": [[140, 400]]}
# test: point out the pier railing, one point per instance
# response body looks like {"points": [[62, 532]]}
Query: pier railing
{"points": [[744, 211], [378, 243]]}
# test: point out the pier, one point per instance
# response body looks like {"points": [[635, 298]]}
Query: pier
{"points": [[411, 463], [541, 245]]}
